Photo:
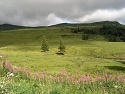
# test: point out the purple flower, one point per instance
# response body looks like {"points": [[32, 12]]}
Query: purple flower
{"points": [[25, 69]]}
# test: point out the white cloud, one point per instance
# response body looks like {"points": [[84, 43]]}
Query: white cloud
{"points": [[102, 15], [53, 19]]}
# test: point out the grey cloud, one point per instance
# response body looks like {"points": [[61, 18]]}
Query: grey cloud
{"points": [[46, 12]]}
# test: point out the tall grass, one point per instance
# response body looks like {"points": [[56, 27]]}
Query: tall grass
{"points": [[26, 82]]}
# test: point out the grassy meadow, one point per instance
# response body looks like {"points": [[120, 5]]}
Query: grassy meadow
{"points": [[96, 56]]}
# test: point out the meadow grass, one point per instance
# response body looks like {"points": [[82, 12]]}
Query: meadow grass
{"points": [[86, 57], [22, 48], [25, 82], [80, 55]]}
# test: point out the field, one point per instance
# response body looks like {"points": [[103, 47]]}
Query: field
{"points": [[96, 56]]}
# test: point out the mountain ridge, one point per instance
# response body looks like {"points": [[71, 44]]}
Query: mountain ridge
{"points": [[101, 23], [90, 24]]}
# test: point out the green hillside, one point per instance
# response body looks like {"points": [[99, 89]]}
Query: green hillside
{"points": [[22, 47], [93, 61]]}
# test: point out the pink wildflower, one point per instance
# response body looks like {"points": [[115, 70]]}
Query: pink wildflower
{"points": [[15, 70], [88, 78], [3, 57], [63, 72], [24, 69], [42, 75], [7, 64], [120, 79], [105, 75]]}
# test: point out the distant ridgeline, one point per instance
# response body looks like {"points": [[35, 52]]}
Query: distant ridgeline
{"points": [[113, 31], [5, 27], [88, 24]]}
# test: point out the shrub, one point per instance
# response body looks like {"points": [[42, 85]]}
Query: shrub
{"points": [[45, 46], [62, 47], [85, 37]]}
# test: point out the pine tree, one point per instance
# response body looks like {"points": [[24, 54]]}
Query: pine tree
{"points": [[62, 47], [85, 37], [45, 46]]}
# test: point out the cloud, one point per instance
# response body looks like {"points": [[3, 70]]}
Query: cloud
{"points": [[101, 15], [47, 12], [53, 19]]}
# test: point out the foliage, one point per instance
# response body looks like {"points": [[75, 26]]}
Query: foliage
{"points": [[62, 83], [61, 47], [45, 46], [112, 32], [85, 37]]}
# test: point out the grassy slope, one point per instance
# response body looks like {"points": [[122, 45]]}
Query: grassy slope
{"points": [[22, 48]]}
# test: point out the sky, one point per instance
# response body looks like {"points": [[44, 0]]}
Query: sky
{"points": [[49, 12]]}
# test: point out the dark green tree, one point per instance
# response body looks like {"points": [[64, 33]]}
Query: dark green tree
{"points": [[45, 46], [62, 47], [85, 37]]}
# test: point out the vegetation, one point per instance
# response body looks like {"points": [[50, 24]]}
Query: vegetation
{"points": [[85, 37], [23, 81], [89, 66], [45, 46], [113, 32], [62, 47]]}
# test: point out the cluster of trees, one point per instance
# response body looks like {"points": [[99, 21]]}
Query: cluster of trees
{"points": [[113, 33], [45, 46]]}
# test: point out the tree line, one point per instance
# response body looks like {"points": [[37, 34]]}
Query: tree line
{"points": [[113, 33]]}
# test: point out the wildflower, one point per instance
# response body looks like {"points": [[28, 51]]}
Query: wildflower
{"points": [[115, 86], [63, 72], [7, 64], [2, 57], [42, 75], [15, 69], [88, 78], [10, 74], [105, 75], [25, 69], [34, 76], [1, 86], [120, 79]]}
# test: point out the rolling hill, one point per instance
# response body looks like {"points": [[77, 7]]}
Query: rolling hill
{"points": [[111, 31], [12, 27]]}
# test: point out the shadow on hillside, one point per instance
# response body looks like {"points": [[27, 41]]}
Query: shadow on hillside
{"points": [[123, 62], [116, 68]]}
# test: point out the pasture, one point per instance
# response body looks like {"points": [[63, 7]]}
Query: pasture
{"points": [[22, 48], [96, 56]]}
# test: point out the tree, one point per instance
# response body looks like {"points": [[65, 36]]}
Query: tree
{"points": [[75, 30], [62, 47], [45, 46], [85, 37]]}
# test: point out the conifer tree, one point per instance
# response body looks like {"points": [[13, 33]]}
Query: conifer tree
{"points": [[62, 47], [45, 46]]}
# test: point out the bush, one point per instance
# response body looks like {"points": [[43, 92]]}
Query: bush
{"points": [[85, 37], [62, 47], [45, 46]]}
